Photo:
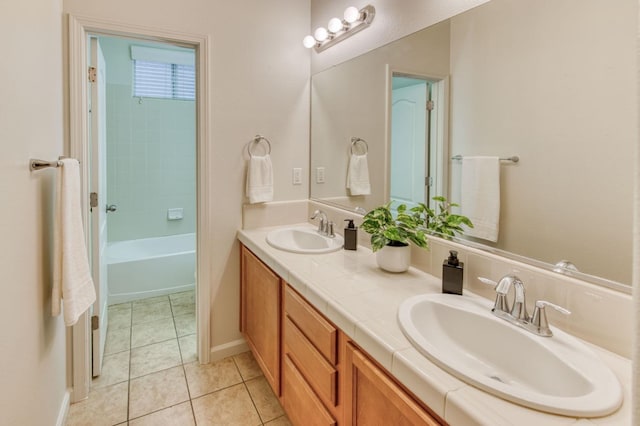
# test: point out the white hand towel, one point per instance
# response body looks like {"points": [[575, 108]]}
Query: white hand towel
{"points": [[259, 179], [358, 175], [72, 281], [480, 196]]}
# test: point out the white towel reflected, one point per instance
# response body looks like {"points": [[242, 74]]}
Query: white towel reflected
{"points": [[72, 282], [259, 179], [480, 196], [358, 175]]}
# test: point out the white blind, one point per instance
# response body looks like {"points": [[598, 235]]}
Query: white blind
{"points": [[163, 80]]}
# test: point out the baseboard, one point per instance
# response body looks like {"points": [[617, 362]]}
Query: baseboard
{"points": [[64, 409], [228, 349]]}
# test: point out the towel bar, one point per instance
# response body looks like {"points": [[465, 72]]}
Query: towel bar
{"points": [[513, 158], [35, 164]]}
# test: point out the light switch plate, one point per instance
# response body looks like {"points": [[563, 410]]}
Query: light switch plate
{"points": [[297, 176], [319, 174]]}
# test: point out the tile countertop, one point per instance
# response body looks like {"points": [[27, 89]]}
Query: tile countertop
{"points": [[362, 300]]}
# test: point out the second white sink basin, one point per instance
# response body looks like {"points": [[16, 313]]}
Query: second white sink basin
{"points": [[556, 374], [302, 239]]}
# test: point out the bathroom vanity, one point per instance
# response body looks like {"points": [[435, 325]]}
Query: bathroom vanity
{"points": [[324, 330]]}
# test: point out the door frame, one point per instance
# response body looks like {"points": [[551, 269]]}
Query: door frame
{"points": [[440, 146], [80, 28]]}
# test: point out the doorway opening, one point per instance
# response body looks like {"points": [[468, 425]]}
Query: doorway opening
{"points": [[183, 212]]}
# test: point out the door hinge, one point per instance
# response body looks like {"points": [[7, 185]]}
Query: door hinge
{"points": [[428, 181], [95, 323], [430, 105], [92, 74], [93, 199]]}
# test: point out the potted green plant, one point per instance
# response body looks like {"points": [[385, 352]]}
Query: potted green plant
{"points": [[391, 235]]}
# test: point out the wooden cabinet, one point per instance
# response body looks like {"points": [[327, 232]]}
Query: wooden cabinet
{"points": [[321, 378], [373, 398], [260, 318]]}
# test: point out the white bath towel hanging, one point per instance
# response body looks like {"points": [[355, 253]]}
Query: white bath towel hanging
{"points": [[358, 175], [480, 196], [72, 282], [259, 179]]}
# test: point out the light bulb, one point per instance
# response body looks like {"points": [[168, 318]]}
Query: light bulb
{"points": [[351, 14], [321, 34], [309, 41], [335, 25]]}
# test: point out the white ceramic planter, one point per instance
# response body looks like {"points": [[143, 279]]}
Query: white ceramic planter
{"points": [[394, 258]]}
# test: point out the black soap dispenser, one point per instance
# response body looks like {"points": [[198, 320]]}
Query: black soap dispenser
{"points": [[452, 270], [350, 236]]}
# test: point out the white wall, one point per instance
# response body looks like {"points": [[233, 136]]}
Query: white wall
{"points": [[570, 114], [394, 19], [258, 84], [32, 343]]}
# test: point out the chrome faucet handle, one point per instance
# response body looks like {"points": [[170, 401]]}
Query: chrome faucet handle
{"points": [[330, 232], [539, 318], [322, 225], [501, 304]]}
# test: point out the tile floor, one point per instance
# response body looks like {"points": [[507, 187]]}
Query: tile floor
{"points": [[151, 375]]}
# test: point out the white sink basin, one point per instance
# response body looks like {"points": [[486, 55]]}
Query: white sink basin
{"points": [[556, 374], [303, 240]]}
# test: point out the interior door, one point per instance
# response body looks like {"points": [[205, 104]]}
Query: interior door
{"points": [[408, 143], [98, 185]]}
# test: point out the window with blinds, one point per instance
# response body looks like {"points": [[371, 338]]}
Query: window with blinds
{"points": [[165, 73], [163, 80]]}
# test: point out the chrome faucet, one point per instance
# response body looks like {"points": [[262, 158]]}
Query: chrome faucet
{"points": [[325, 227], [517, 314]]}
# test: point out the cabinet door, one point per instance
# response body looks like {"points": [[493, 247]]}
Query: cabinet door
{"points": [[260, 296], [372, 398]]}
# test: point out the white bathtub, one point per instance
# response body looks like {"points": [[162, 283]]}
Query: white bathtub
{"points": [[137, 269]]}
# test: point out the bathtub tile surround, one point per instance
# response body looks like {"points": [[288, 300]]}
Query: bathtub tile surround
{"points": [[166, 384], [365, 307]]}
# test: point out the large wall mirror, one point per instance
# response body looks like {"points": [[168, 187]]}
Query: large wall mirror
{"points": [[551, 81]]}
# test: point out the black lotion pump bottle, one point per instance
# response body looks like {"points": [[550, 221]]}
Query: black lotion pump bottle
{"points": [[350, 236], [452, 270]]}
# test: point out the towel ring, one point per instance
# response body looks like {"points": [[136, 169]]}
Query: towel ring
{"points": [[256, 140], [355, 140]]}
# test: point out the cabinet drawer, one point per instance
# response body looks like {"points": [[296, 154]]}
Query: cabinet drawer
{"points": [[319, 373], [318, 330], [300, 403]]}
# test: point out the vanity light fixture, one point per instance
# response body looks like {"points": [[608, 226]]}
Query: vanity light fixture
{"points": [[354, 20]]}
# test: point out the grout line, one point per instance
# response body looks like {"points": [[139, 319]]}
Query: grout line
{"points": [[129, 381]]}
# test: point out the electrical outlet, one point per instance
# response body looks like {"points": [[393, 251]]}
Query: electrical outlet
{"points": [[297, 176], [319, 174]]}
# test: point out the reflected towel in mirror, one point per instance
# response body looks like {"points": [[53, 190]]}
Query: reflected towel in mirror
{"points": [[358, 175], [480, 196]]}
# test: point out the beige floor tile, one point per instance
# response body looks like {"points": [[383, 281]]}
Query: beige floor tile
{"points": [[147, 312], [152, 332], [182, 307], [119, 318], [157, 391], [183, 296], [247, 365], [150, 300], [280, 421], [115, 369], [119, 307], [203, 379], [266, 403], [156, 357], [105, 406], [178, 415], [185, 324], [228, 407], [118, 340], [188, 348]]}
